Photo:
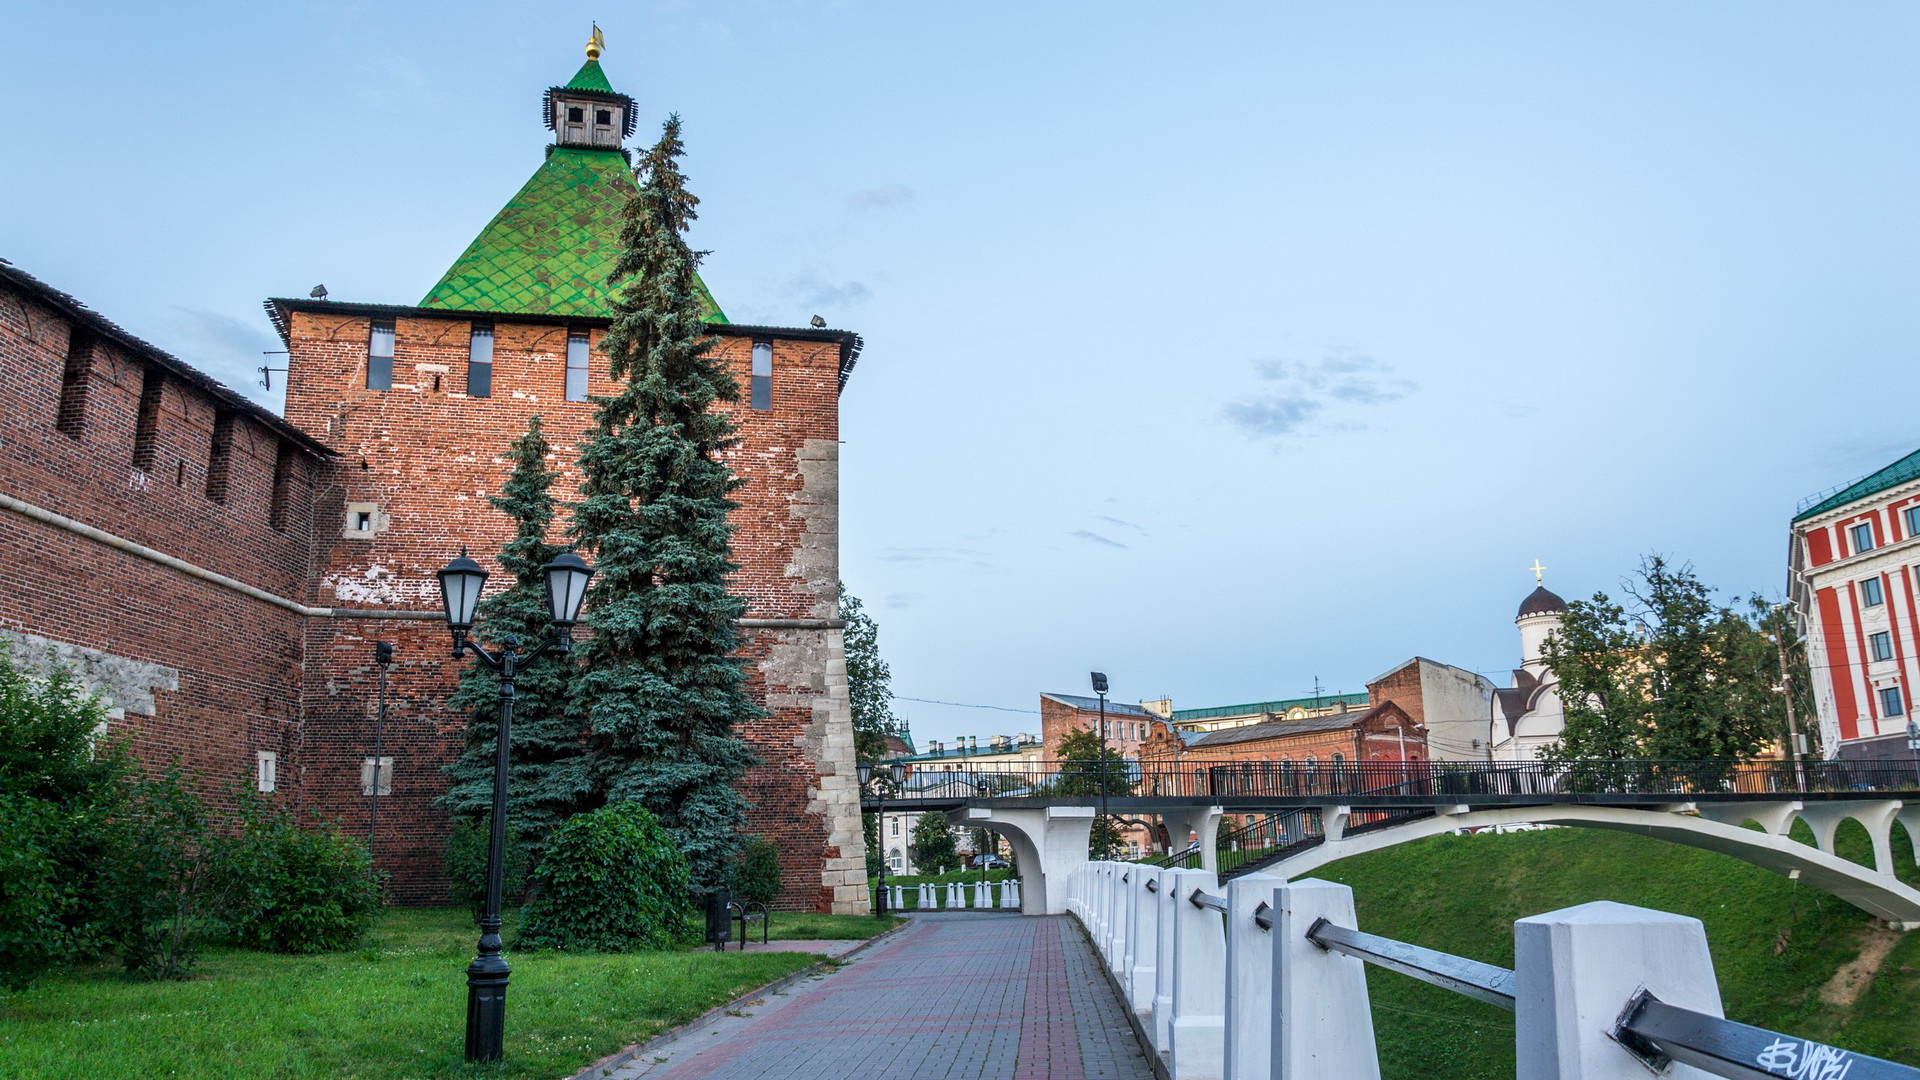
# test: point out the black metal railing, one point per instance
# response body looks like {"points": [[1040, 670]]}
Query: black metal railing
{"points": [[1412, 780]]}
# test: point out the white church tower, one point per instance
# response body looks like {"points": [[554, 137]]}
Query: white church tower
{"points": [[1527, 715]]}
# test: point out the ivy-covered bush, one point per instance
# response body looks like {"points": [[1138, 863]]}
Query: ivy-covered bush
{"points": [[285, 888], [756, 873], [610, 881], [467, 865]]}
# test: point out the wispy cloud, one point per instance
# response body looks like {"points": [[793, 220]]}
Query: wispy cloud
{"points": [[936, 553], [225, 347], [1120, 522], [1301, 393], [884, 197], [1095, 538], [814, 290]]}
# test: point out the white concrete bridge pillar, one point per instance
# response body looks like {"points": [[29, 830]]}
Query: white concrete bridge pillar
{"points": [[1203, 823], [1049, 842]]}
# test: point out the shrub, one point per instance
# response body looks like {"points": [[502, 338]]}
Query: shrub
{"points": [[156, 891], [756, 874], [288, 889], [467, 864], [609, 881], [38, 900]]}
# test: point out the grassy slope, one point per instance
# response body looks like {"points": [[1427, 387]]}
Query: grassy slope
{"points": [[395, 1008], [1462, 894]]}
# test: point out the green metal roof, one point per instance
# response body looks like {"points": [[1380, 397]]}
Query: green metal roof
{"points": [[550, 249], [590, 77], [1907, 468], [1324, 700]]}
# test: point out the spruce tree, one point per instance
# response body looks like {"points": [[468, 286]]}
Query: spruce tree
{"points": [[659, 683], [545, 780]]}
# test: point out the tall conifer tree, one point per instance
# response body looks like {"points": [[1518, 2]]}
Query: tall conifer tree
{"points": [[546, 783], [659, 682]]}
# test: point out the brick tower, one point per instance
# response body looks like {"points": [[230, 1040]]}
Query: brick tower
{"points": [[419, 403]]}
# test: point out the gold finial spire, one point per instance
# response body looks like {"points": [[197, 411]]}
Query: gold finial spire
{"points": [[596, 44], [1539, 573]]}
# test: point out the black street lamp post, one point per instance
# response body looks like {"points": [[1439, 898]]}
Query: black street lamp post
{"points": [[897, 772], [460, 585], [1106, 828]]}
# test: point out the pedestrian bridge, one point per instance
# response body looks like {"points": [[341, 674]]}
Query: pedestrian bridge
{"points": [[1293, 818]]}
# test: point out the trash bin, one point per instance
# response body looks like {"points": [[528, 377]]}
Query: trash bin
{"points": [[719, 919]]}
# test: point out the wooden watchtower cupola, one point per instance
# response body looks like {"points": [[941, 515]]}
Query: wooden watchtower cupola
{"points": [[587, 112]]}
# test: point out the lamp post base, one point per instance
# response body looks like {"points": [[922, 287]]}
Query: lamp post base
{"points": [[486, 1008]]}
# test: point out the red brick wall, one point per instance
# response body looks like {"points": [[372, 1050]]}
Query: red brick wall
{"points": [[1402, 687], [237, 658], [428, 455]]}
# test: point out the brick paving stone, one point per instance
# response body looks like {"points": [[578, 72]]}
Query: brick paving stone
{"points": [[951, 997]]}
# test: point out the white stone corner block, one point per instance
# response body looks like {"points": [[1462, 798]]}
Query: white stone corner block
{"points": [[1322, 1023]]}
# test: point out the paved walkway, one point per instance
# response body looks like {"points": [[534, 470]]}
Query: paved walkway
{"points": [[955, 997]]}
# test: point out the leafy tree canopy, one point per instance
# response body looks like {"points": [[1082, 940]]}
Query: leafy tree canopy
{"points": [[932, 845], [869, 681]]}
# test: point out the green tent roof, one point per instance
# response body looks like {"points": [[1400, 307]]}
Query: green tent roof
{"points": [[590, 77], [550, 249], [1907, 468]]}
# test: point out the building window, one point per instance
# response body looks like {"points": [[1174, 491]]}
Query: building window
{"points": [[146, 426], [480, 361], [577, 349], [1891, 702], [896, 821], [760, 394], [220, 456], [1861, 537], [1911, 515], [1871, 594], [386, 776], [380, 356], [266, 770], [1881, 644], [575, 115], [72, 417]]}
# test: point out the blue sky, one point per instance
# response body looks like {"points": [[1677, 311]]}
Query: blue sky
{"points": [[1221, 346]]}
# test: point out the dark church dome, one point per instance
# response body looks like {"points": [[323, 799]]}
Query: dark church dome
{"points": [[1541, 602]]}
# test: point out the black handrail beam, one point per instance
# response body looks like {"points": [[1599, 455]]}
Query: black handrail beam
{"points": [[1658, 1033], [1485, 982]]}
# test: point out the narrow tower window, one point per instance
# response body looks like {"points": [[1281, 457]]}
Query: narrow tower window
{"points": [[146, 426], [380, 356], [72, 418], [480, 361], [282, 485], [1871, 594], [760, 394], [577, 367], [220, 456], [1861, 536], [1881, 644]]}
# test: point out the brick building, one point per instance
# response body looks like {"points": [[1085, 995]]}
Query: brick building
{"points": [[1128, 726], [1380, 732], [1854, 577], [277, 550]]}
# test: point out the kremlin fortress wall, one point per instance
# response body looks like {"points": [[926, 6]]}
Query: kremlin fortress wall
{"points": [[219, 574]]}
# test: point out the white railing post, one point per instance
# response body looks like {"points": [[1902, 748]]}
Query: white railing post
{"points": [[1249, 978], [926, 896], [1011, 896], [1120, 952], [1139, 982], [953, 895], [1163, 913], [1196, 1050], [1575, 969], [1321, 1025]]}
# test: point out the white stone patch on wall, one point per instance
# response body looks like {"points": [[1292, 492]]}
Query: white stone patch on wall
{"points": [[122, 685], [379, 585]]}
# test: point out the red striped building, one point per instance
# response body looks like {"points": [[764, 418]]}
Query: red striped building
{"points": [[1855, 582]]}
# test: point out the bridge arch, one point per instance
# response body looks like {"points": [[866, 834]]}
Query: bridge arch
{"points": [[1875, 891]]}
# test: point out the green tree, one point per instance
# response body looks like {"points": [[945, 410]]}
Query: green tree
{"points": [[1674, 677], [612, 880], [869, 681], [1785, 656], [546, 777], [659, 682], [1081, 773], [932, 846]]}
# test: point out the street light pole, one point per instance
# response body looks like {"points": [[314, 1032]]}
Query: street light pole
{"points": [[1106, 827], [383, 656], [460, 585]]}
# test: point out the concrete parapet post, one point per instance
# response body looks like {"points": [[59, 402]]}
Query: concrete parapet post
{"points": [[1321, 1023], [1163, 912], [954, 899], [1196, 1047], [1010, 893], [1139, 982], [1576, 968], [926, 897], [1120, 936], [1250, 1014]]}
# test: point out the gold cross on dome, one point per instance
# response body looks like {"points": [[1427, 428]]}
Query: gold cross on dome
{"points": [[1539, 576]]}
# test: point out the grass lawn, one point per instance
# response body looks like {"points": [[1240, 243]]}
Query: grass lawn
{"points": [[1775, 942], [395, 1008], [798, 926]]}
